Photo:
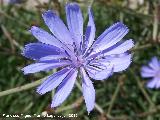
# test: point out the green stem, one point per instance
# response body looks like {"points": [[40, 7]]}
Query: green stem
{"points": [[142, 89], [113, 98], [141, 47], [72, 106], [12, 18], [20, 88]]}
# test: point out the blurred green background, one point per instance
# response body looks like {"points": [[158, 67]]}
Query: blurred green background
{"points": [[122, 97]]}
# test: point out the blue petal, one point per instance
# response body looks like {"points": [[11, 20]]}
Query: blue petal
{"points": [[75, 22], [100, 72], [88, 91], [120, 62], [110, 37], [158, 82], [53, 57], [90, 31], [45, 37], [57, 27], [154, 63], [64, 89], [46, 65], [84, 45], [83, 73], [147, 72], [154, 83], [119, 48], [36, 51], [53, 81]]}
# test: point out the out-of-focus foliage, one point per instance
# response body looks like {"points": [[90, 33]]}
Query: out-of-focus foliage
{"points": [[131, 101]]}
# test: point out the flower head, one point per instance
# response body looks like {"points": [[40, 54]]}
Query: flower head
{"points": [[72, 50], [152, 71]]}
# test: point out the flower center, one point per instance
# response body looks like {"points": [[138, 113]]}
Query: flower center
{"points": [[79, 61]]}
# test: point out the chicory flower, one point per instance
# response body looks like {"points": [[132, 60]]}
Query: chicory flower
{"points": [[152, 71], [76, 53]]}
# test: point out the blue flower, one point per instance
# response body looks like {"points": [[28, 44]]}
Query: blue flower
{"points": [[74, 51], [152, 71], [16, 1]]}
